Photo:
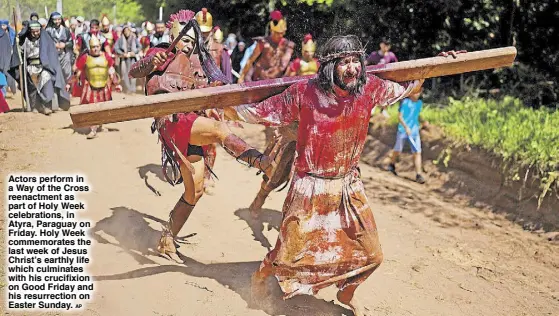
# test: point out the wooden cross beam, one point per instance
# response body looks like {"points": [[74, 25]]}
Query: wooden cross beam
{"points": [[252, 92]]}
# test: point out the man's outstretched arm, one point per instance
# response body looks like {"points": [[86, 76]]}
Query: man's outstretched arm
{"points": [[155, 57], [279, 110]]}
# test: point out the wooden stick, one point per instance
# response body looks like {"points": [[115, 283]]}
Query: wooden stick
{"points": [[252, 92]]}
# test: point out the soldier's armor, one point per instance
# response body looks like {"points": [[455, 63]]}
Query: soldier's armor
{"points": [[181, 74], [273, 61], [109, 37], [97, 71], [308, 67], [86, 37]]}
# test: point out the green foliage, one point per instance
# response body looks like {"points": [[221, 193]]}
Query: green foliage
{"points": [[522, 136], [126, 10]]}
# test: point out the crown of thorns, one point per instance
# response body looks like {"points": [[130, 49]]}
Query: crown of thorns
{"points": [[329, 57]]}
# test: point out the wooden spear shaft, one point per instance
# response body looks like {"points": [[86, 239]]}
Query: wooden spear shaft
{"points": [[252, 92]]}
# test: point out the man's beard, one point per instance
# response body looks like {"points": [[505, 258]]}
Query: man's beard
{"points": [[351, 88]]}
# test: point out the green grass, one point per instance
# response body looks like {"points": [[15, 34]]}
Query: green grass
{"points": [[521, 136]]}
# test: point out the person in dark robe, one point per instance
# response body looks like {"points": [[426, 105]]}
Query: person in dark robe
{"points": [[11, 83], [63, 41], [237, 57], [5, 65], [127, 49], [44, 77]]}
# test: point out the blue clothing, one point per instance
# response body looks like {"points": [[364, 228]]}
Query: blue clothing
{"points": [[248, 53], [414, 140], [410, 113], [10, 30]]}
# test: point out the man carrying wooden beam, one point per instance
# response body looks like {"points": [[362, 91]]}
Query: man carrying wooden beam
{"points": [[186, 64], [328, 235]]}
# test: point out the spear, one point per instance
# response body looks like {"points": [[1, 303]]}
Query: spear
{"points": [[252, 92]]}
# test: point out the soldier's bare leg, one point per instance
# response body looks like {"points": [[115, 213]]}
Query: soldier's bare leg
{"points": [[193, 180], [207, 131]]}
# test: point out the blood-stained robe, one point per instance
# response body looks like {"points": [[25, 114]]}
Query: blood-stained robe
{"points": [[328, 234]]}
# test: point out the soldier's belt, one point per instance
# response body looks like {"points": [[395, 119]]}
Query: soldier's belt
{"points": [[34, 61]]}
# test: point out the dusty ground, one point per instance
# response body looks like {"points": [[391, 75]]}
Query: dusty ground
{"points": [[441, 257]]}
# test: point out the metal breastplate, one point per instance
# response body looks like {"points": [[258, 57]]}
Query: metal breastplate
{"points": [[109, 37], [308, 68], [272, 61], [181, 74], [97, 71]]}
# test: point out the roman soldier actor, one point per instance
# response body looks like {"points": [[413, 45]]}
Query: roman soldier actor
{"points": [[108, 33], [98, 76], [63, 41], [272, 54], [284, 143], [185, 136], [270, 60], [82, 48], [308, 64], [144, 40], [44, 77], [212, 39], [82, 41], [223, 61]]}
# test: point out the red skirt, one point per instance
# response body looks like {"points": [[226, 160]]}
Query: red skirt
{"points": [[94, 95], [178, 133], [3, 103]]}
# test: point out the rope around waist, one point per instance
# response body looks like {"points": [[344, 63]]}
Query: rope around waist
{"points": [[338, 177]]}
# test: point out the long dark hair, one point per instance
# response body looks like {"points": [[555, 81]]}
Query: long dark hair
{"points": [[206, 60], [331, 53]]}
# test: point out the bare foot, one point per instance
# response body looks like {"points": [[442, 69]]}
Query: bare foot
{"points": [[167, 250], [355, 305], [256, 206]]}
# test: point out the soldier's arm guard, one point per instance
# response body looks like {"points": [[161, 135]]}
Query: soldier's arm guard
{"points": [[142, 68]]}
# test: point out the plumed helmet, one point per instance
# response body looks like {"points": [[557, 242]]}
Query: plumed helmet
{"points": [[309, 44], [277, 22], [178, 20], [105, 20], [205, 20], [218, 35], [94, 41]]}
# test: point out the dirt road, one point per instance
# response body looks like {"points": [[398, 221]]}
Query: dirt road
{"points": [[441, 258]]}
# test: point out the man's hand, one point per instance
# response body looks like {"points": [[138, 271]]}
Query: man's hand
{"points": [[240, 80], [408, 131], [68, 87], [118, 88], [213, 113], [159, 58], [216, 83], [229, 113], [452, 53]]}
